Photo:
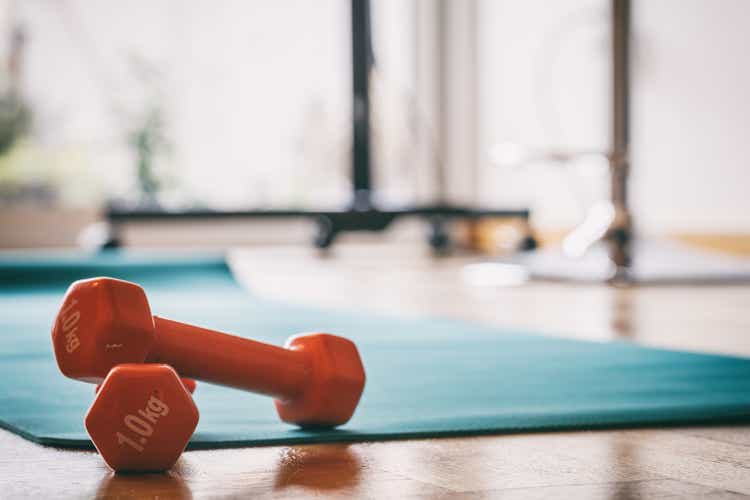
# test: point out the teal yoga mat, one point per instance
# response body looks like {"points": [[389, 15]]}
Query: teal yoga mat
{"points": [[426, 377]]}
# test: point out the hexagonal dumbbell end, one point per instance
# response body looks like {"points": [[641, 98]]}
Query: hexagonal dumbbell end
{"points": [[102, 322], [335, 384], [142, 418]]}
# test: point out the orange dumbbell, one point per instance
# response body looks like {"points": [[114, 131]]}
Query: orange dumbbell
{"points": [[142, 418], [187, 382], [317, 379]]}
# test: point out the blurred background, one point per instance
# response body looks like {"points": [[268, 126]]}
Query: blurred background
{"points": [[247, 105]]}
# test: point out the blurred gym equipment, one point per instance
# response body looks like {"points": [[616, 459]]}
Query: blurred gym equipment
{"points": [[602, 247], [362, 213]]}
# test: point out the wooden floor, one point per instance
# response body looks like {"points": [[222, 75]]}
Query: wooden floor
{"points": [[645, 463]]}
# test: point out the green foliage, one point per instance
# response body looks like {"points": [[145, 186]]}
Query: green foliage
{"points": [[147, 140], [15, 119]]}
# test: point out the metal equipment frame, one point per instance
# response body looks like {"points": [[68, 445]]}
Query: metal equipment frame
{"points": [[362, 213]]}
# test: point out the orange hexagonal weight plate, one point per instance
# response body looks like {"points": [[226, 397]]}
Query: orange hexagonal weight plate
{"points": [[335, 385], [142, 418], [102, 322]]}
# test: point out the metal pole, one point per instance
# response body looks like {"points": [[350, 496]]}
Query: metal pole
{"points": [[620, 232], [362, 59]]}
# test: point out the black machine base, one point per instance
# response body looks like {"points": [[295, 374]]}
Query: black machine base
{"points": [[329, 223]]}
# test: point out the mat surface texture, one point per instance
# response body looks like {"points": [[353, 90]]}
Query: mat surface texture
{"points": [[426, 377]]}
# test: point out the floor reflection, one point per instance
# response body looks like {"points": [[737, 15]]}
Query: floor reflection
{"points": [[158, 485], [624, 462], [325, 467], [622, 313]]}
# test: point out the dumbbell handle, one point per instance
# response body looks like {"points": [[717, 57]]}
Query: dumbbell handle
{"points": [[229, 360]]}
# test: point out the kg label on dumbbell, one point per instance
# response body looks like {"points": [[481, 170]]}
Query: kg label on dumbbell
{"points": [[141, 425], [69, 317]]}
